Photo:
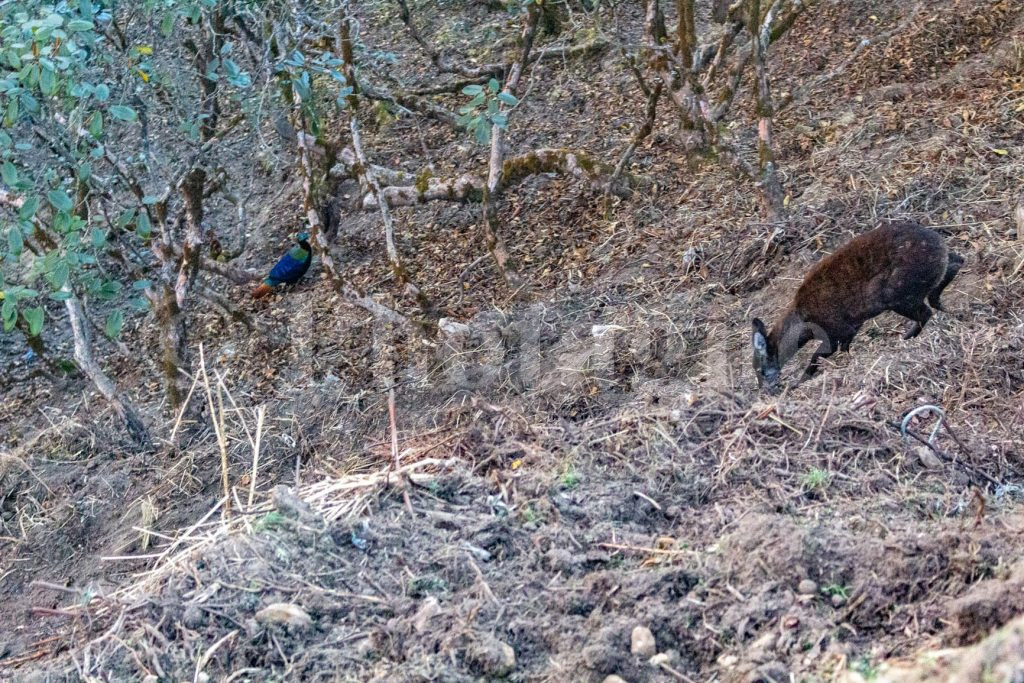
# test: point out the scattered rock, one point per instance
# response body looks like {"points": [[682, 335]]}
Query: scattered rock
{"points": [[478, 552], [838, 600], [290, 505], [430, 609], [659, 659], [928, 459], [365, 647], [807, 587], [558, 560], [642, 642], [613, 679], [728, 661], [284, 613], [492, 656], [772, 672], [361, 536], [194, 617], [763, 649]]}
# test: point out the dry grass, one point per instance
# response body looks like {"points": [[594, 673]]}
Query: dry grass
{"points": [[663, 463]]}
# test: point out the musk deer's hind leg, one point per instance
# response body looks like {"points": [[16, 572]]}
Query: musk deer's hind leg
{"points": [[952, 268], [919, 313]]}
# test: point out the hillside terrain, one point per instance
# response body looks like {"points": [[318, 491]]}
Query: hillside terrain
{"points": [[585, 463]]}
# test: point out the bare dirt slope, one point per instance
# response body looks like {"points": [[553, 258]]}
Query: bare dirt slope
{"points": [[634, 477]]}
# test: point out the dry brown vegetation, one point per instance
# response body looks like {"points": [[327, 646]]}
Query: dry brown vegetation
{"points": [[589, 454]]}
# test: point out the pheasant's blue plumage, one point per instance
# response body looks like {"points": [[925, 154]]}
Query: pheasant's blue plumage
{"points": [[292, 266]]}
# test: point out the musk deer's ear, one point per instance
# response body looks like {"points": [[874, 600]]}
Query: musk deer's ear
{"points": [[759, 338]]}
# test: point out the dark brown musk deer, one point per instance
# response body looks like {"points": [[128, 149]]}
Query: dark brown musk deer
{"points": [[895, 267]]}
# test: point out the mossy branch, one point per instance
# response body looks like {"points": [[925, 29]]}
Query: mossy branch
{"points": [[407, 189]]}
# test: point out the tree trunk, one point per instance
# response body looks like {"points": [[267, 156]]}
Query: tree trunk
{"points": [[768, 180], [495, 165], [88, 365], [686, 33]]}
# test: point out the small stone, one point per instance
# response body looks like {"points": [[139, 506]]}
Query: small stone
{"points": [[642, 642], [807, 587], [193, 617], [659, 659], [728, 661], [928, 459], [431, 608], [613, 679], [364, 647], [558, 559], [492, 656], [284, 613], [762, 649], [838, 600]]}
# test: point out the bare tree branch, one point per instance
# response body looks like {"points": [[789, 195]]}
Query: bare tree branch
{"points": [[477, 75], [496, 168], [85, 361], [645, 129]]}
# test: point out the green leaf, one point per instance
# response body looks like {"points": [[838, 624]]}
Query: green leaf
{"points": [[34, 318], [167, 24], [472, 90], [115, 321], [508, 98], [11, 114], [478, 100], [60, 200], [28, 209], [99, 238], [96, 124], [124, 218], [15, 241], [493, 85], [483, 133], [9, 313], [30, 103], [5, 140], [123, 113], [140, 285], [48, 82], [142, 225], [102, 93], [60, 296], [109, 289], [500, 120], [9, 173], [58, 277], [79, 25]]}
